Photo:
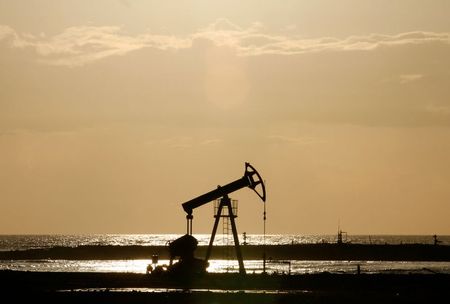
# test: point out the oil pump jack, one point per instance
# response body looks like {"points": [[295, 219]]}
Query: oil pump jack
{"points": [[184, 246]]}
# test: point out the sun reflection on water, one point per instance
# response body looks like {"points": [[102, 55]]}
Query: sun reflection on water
{"points": [[230, 266]]}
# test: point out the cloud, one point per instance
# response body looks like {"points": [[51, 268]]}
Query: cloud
{"points": [[304, 140], [84, 44], [407, 78], [81, 45], [5, 32], [182, 142], [440, 110], [211, 142]]}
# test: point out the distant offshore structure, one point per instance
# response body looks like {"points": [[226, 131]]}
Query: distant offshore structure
{"points": [[340, 236], [435, 240]]}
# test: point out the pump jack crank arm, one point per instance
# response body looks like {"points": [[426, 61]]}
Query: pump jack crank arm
{"points": [[247, 180]]}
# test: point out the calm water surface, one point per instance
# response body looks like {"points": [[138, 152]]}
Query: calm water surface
{"points": [[23, 242]]}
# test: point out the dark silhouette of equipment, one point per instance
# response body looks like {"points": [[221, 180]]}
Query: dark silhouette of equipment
{"points": [[340, 237], [435, 240], [184, 247]]}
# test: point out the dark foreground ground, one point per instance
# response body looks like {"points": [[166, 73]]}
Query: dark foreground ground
{"points": [[18, 287]]}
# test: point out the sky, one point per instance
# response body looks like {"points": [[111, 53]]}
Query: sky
{"points": [[114, 113]]}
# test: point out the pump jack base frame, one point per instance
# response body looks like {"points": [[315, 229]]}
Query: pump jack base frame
{"points": [[225, 202]]}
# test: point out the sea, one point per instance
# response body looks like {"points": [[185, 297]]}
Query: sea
{"points": [[24, 242]]}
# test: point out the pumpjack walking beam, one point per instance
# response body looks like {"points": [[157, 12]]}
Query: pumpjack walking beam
{"points": [[248, 180]]}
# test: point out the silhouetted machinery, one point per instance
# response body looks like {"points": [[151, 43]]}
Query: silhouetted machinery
{"points": [[185, 246]]}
